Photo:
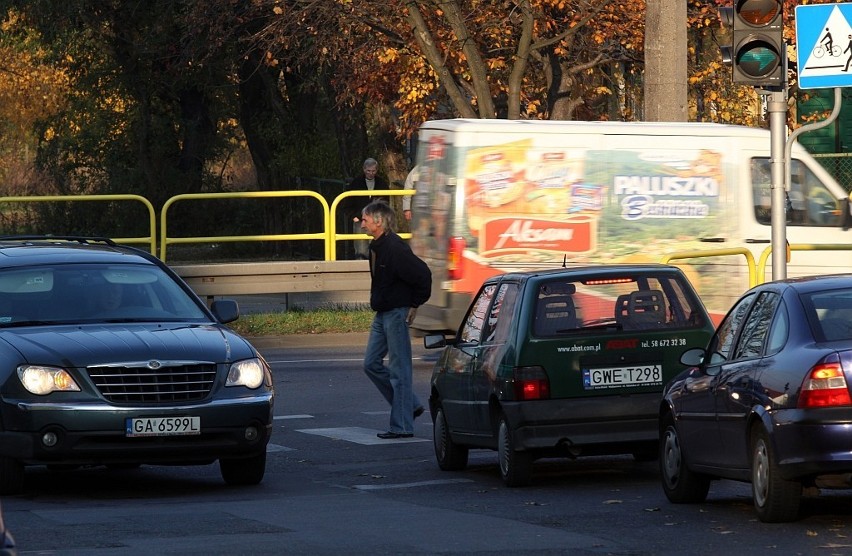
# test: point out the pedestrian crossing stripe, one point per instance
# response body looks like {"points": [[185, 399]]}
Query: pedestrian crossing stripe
{"points": [[824, 45], [359, 435]]}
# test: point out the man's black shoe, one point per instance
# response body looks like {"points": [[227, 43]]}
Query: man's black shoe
{"points": [[391, 435], [418, 412]]}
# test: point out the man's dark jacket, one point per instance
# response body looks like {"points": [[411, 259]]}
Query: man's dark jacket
{"points": [[399, 277], [352, 206]]}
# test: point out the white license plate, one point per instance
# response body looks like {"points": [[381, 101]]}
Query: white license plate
{"points": [[622, 377], [163, 426]]}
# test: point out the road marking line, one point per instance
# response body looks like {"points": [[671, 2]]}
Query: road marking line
{"points": [[411, 485], [359, 435], [272, 448], [303, 416]]}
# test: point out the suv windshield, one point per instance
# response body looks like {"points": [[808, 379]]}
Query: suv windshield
{"points": [[81, 293]]}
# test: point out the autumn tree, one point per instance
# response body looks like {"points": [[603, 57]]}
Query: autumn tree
{"points": [[32, 89], [513, 59]]}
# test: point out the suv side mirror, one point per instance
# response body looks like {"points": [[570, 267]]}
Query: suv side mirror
{"points": [[225, 310]]}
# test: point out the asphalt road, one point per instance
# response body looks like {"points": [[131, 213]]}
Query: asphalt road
{"points": [[333, 488]]}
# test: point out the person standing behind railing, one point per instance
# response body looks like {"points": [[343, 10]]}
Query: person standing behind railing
{"points": [[369, 181], [410, 183]]}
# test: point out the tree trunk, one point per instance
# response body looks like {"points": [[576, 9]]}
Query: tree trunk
{"points": [[665, 61]]}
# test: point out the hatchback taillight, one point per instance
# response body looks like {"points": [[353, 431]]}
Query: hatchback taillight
{"points": [[825, 385], [531, 383], [455, 256]]}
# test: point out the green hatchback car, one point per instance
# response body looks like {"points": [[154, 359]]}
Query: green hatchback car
{"points": [[563, 363]]}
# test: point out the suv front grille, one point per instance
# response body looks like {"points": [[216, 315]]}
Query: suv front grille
{"points": [[126, 385]]}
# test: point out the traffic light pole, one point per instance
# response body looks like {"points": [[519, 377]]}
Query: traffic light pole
{"points": [[777, 125], [777, 109]]}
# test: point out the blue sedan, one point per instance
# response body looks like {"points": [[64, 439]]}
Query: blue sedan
{"points": [[768, 400]]}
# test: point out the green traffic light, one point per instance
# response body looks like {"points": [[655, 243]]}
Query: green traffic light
{"points": [[758, 59]]}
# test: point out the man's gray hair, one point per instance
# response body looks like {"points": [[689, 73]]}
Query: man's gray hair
{"points": [[382, 213], [370, 162]]}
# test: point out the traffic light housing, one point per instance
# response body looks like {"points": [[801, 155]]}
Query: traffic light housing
{"points": [[757, 52]]}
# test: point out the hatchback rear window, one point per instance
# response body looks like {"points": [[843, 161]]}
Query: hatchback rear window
{"points": [[627, 302]]}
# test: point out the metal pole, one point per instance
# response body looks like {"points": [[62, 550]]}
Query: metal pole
{"points": [[779, 245], [777, 108]]}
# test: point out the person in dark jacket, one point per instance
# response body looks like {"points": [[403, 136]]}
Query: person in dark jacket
{"points": [[401, 282], [351, 206]]}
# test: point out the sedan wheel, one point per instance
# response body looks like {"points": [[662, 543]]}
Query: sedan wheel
{"points": [[515, 466], [243, 471], [450, 456], [775, 499], [681, 485]]}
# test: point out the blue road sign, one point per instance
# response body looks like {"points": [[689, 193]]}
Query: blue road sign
{"points": [[824, 45]]}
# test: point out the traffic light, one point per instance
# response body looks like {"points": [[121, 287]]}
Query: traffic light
{"points": [[757, 52]]}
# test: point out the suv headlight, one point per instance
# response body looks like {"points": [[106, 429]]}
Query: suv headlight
{"points": [[248, 373], [44, 380]]}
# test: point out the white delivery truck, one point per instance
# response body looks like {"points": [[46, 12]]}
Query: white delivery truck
{"points": [[501, 195]]}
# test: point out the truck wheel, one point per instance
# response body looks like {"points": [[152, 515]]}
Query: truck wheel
{"points": [[450, 456], [775, 499], [515, 466], [681, 485], [11, 476], [243, 471]]}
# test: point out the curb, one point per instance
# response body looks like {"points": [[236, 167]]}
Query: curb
{"points": [[309, 340]]}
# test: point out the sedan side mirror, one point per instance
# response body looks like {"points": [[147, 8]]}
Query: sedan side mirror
{"points": [[693, 357]]}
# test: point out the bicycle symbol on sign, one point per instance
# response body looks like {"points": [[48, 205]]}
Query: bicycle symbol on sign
{"points": [[820, 51], [826, 45]]}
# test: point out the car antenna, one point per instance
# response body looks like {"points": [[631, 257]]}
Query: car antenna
{"points": [[565, 260]]}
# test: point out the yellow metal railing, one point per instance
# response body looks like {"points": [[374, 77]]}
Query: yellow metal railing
{"points": [[764, 257], [332, 230], [705, 253], [328, 234], [323, 235], [151, 239]]}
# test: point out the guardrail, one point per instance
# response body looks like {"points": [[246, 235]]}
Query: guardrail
{"points": [[764, 257], [323, 235], [209, 280], [222, 279], [332, 224], [706, 253], [328, 233], [151, 238]]}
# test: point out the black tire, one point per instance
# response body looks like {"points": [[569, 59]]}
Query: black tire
{"points": [[776, 500], [515, 466], [681, 485], [11, 476], [243, 471], [450, 456]]}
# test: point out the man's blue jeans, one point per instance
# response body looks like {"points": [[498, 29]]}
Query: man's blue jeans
{"points": [[389, 336]]}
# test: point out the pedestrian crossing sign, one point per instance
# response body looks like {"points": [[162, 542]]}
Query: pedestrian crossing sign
{"points": [[824, 45]]}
